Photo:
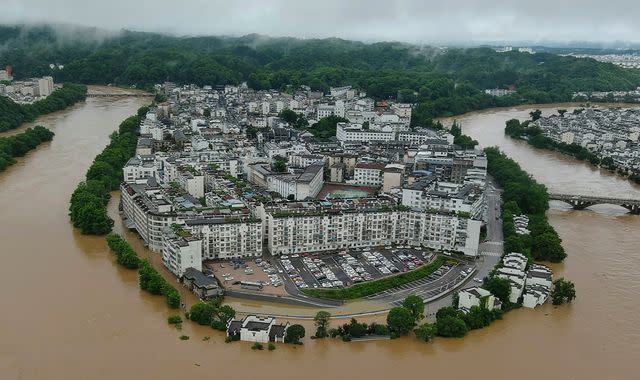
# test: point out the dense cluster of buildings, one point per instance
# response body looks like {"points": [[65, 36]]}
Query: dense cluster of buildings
{"points": [[219, 174], [530, 283], [627, 61], [631, 96], [608, 133], [27, 91]]}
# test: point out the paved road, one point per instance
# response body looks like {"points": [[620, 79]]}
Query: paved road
{"points": [[490, 250], [426, 288]]}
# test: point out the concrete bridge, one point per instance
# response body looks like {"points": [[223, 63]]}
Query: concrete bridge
{"points": [[580, 202], [118, 95]]}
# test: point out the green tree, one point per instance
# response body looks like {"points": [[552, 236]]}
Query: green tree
{"points": [[221, 316], [294, 334], [455, 130], [279, 166], [202, 313], [321, 320], [426, 332], [400, 321], [499, 287], [450, 326], [535, 115], [289, 116], [415, 305], [447, 311], [478, 317], [326, 126], [564, 291], [548, 246]]}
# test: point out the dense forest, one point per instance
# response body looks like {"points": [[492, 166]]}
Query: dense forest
{"points": [[12, 115], [442, 81]]}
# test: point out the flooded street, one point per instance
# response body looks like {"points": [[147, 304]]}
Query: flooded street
{"points": [[70, 312]]}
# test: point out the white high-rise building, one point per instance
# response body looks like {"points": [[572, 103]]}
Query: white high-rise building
{"points": [[45, 86]]}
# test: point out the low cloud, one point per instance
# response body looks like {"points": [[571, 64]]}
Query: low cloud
{"points": [[457, 21]]}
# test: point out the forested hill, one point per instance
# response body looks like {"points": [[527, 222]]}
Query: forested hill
{"points": [[443, 81]]}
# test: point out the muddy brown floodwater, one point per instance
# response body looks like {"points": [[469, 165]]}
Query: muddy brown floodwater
{"points": [[69, 312]]}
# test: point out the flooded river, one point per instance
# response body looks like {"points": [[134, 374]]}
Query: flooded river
{"points": [[69, 312]]}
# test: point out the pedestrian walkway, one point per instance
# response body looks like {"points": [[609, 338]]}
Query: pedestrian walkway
{"points": [[492, 254]]}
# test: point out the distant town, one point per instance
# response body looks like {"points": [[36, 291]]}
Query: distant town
{"points": [[25, 91], [627, 61], [611, 134]]}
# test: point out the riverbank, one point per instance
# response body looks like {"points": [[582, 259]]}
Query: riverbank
{"points": [[88, 204], [535, 137], [18, 145], [13, 115]]}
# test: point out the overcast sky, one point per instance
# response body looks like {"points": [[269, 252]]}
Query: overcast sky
{"points": [[373, 20]]}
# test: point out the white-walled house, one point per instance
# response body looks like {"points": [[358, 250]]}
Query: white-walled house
{"points": [[537, 286], [257, 329], [479, 297]]}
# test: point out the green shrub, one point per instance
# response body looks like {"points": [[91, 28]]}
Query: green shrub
{"points": [[184, 337], [126, 256], [174, 319], [152, 282], [257, 346], [271, 346]]}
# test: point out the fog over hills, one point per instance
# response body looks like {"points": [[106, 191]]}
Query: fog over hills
{"points": [[454, 22]]}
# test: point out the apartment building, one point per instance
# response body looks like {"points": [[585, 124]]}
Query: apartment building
{"points": [[428, 194], [368, 173], [297, 186], [227, 238], [146, 210], [316, 229], [346, 132], [181, 252]]}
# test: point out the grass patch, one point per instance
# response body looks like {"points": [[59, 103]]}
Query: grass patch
{"points": [[372, 287]]}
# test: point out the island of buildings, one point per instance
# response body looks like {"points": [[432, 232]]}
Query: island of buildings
{"points": [[219, 175]]}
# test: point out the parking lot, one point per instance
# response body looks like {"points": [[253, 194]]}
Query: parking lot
{"points": [[232, 275], [341, 269]]}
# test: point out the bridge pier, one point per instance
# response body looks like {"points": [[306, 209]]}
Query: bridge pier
{"points": [[580, 205], [633, 209]]}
